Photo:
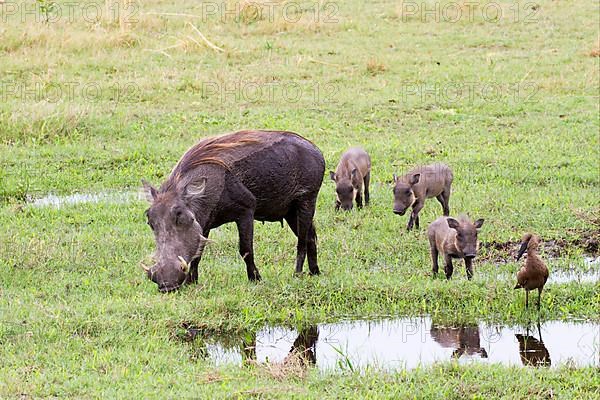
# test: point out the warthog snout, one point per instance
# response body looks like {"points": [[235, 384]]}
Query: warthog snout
{"points": [[470, 251], [399, 211], [168, 278], [346, 207]]}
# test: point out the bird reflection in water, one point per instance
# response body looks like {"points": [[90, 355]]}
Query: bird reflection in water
{"points": [[532, 351]]}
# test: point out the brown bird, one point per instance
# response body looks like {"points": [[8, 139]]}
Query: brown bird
{"points": [[534, 274]]}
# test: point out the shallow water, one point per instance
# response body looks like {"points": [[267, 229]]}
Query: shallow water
{"points": [[591, 261], [110, 197], [562, 276], [406, 343], [589, 275]]}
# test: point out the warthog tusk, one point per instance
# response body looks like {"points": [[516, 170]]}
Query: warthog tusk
{"points": [[145, 267], [205, 239], [185, 267]]}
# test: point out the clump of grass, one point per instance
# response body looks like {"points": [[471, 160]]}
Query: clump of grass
{"points": [[249, 11], [16, 190], [211, 377], [266, 17], [374, 67], [47, 123], [124, 39], [294, 366]]}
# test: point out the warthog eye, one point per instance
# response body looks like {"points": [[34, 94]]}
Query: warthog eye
{"points": [[178, 217], [148, 219], [182, 218]]}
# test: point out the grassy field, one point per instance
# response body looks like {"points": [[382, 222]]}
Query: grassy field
{"points": [[96, 98]]}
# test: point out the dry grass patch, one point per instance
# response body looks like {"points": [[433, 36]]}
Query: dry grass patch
{"points": [[266, 17], [374, 67], [48, 39], [44, 122], [437, 12], [294, 366], [211, 377], [595, 52]]}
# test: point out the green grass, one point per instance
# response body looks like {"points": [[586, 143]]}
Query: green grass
{"points": [[77, 317]]}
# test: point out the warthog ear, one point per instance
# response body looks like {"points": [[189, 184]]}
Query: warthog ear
{"points": [[150, 192], [415, 179], [195, 188], [332, 175], [479, 223], [452, 223]]}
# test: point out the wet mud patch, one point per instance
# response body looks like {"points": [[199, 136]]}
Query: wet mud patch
{"points": [[403, 343]]}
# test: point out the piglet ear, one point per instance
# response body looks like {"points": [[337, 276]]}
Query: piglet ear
{"points": [[415, 179], [150, 192], [354, 173], [195, 188], [479, 223], [452, 223], [332, 175], [395, 178]]}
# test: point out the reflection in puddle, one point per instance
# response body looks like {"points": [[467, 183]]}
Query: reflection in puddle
{"points": [[79, 198], [407, 343], [465, 340], [532, 350]]}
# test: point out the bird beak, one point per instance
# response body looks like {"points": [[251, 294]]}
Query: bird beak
{"points": [[522, 250]]}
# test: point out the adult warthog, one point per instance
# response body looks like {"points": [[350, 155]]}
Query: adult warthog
{"points": [[239, 177]]}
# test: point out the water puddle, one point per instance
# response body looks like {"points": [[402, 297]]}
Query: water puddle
{"points": [[592, 261], [114, 197], [573, 275], [406, 343]]}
